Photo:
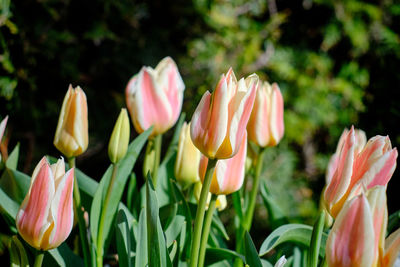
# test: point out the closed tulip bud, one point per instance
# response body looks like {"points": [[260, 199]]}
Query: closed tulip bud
{"points": [[356, 171], [219, 122], [119, 140], [45, 217], [221, 202], [228, 174], [71, 137], [154, 97], [187, 160], [351, 242], [266, 127]]}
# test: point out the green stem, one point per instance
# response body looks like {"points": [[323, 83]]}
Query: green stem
{"points": [[79, 214], [100, 241], [152, 157], [198, 222], [206, 229], [315, 244], [248, 216], [39, 258]]}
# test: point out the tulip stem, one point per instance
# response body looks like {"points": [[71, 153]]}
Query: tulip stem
{"points": [[248, 216], [100, 241], [39, 258], [152, 157], [206, 229], [79, 213], [198, 222]]}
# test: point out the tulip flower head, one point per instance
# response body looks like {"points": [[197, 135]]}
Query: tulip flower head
{"points": [[266, 127], [119, 140], [45, 217], [228, 174], [187, 159], [71, 137], [154, 97], [358, 171], [219, 122], [358, 234]]}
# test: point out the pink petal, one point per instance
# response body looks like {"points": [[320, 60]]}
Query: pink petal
{"points": [[276, 115], [392, 249]]}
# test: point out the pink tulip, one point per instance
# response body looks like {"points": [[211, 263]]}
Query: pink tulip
{"points": [[358, 234], [219, 122], [45, 217], [154, 97], [228, 174], [3, 125], [356, 171], [266, 127], [351, 242]]}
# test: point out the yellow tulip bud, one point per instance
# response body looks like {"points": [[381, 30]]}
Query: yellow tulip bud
{"points": [[71, 137], [119, 140], [187, 160]]}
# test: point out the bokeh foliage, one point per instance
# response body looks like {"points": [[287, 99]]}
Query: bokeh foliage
{"points": [[336, 63]]}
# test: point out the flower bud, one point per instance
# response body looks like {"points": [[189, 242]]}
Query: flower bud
{"points": [[154, 97], [3, 125], [45, 217], [187, 159], [219, 122], [119, 140], [266, 126], [71, 137]]}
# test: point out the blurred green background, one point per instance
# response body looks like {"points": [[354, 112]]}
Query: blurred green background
{"points": [[336, 62]]}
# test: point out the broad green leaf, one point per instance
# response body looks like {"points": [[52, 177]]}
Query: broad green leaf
{"points": [[296, 233], [266, 263], [167, 214], [12, 160], [153, 244], [252, 258], [64, 256], [214, 255], [393, 222], [141, 242], [8, 205], [219, 226], [132, 193], [173, 230], [123, 239], [173, 250], [15, 184]]}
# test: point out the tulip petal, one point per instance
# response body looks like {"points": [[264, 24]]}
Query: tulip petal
{"points": [[62, 210], [392, 249], [3, 125], [276, 115], [32, 217], [349, 246], [340, 182], [229, 173]]}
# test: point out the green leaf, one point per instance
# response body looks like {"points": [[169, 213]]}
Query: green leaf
{"points": [[12, 160], [15, 184], [296, 233], [214, 255], [219, 226], [8, 205], [153, 245], [132, 193], [167, 214], [252, 258], [316, 240], [266, 263], [237, 205], [141, 242], [393, 222], [173, 230], [64, 256], [18, 257], [123, 239]]}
